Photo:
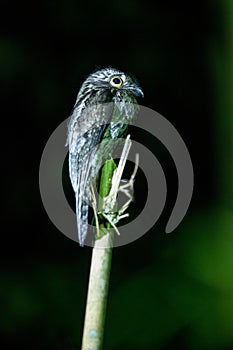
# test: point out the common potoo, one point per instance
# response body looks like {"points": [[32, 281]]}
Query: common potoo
{"points": [[105, 104]]}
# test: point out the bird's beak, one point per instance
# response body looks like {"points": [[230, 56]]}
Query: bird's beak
{"points": [[137, 91]]}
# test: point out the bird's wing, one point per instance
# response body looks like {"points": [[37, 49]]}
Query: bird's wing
{"points": [[83, 118], [84, 132]]}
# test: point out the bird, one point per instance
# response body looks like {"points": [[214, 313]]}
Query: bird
{"points": [[105, 104]]}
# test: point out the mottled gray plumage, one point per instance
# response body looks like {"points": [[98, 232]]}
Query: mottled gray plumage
{"points": [[105, 104]]}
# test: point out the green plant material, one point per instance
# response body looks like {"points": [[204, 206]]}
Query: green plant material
{"points": [[106, 178], [105, 187]]}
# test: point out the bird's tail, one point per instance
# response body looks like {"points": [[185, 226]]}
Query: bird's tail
{"points": [[83, 172], [81, 198], [82, 218], [78, 178]]}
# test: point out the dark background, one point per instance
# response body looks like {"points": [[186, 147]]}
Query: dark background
{"points": [[167, 291]]}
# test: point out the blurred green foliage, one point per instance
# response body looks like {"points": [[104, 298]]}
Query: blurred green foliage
{"points": [[166, 292]]}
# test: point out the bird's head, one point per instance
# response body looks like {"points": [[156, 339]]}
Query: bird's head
{"points": [[111, 81]]}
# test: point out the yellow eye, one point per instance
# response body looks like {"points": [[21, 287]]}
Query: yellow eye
{"points": [[116, 81]]}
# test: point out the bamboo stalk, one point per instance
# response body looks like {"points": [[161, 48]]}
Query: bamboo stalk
{"points": [[99, 276], [98, 286], [97, 294]]}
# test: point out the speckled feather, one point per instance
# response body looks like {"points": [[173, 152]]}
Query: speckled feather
{"points": [[100, 113]]}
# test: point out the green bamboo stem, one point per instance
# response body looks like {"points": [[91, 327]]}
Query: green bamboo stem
{"points": [[99, 276]]}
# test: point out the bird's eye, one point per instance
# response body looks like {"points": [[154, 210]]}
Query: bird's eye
{"points": [[116, 81]]}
